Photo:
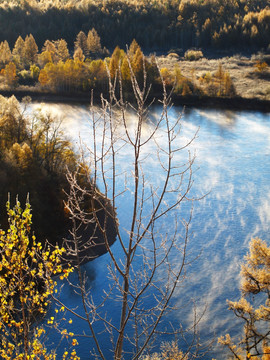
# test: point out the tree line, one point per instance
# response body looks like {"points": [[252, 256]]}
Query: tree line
{"points": [[54, 69], [156, 24]]}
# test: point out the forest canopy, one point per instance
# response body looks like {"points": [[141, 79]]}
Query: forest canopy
{"points": [[54, 70], [168, 24]]}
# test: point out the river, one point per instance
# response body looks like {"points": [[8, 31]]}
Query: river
{"points": [[232, 167]]}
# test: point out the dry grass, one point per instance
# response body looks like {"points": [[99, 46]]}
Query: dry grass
{"points": [[249, 83]]}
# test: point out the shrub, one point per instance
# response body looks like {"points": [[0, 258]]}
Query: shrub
{"points": [[261, 66], [193, 55]]}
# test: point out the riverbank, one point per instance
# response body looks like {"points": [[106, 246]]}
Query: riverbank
{"points": [[252, 84], [234, 103]]}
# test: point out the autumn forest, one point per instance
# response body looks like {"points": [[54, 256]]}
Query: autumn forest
{"points": [[69, 47], [126, 188], [154, 24]]}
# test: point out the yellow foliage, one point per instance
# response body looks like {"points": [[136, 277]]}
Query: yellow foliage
{"points": [[115, 61], [266, 352], [255, 280], [25, 289], [166, 76], [192, 55], [10, 74], [43, 77], [44, 58], [260, 66], [22, 155], [256, 271], [186, 89]]}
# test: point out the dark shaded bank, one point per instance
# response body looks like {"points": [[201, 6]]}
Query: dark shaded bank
{"points": [[226, 103], [95, 236], [234, 103]]}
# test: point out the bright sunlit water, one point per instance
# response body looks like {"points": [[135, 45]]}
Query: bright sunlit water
{"points": [[233, 166]]}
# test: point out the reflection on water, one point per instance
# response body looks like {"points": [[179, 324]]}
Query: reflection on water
{"points": [[233, 165]]}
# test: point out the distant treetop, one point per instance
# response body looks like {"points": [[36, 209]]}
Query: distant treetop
{"points": [[155, 24]]}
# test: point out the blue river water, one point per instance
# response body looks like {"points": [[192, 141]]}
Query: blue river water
{"points": [[232, 166]]}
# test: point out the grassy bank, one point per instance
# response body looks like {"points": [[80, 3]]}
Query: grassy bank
{"points": [[252, 84]]}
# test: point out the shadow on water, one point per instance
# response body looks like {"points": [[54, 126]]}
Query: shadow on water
{"points": [[94, 235]]}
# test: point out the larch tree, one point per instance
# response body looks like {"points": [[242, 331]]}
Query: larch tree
{"points": [[31, 50], [253, 308], [43, 78], [12, 123], [50, 47], [10, 74], [229, 88], [138, 63], [62, 50], [98, 75], [134, 46], [81, 42], [93, 43], [115, 61], [44, 58], [18, 52], [79, 54], [5, 53]]}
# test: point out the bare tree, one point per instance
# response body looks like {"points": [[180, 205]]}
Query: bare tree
{"points": [[137, 157]]}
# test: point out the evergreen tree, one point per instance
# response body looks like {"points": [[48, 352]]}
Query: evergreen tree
{"points": [[81, 42], [10, 74], [115, 61], [255, 313], [78, 54], [62, 50], [93, 43], [31, 50], [137, 64], [5, 53], [18, 52], [134, 46], [44, 58], [50, 47]]}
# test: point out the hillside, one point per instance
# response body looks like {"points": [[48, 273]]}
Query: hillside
{"points": [[155, 24]]}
